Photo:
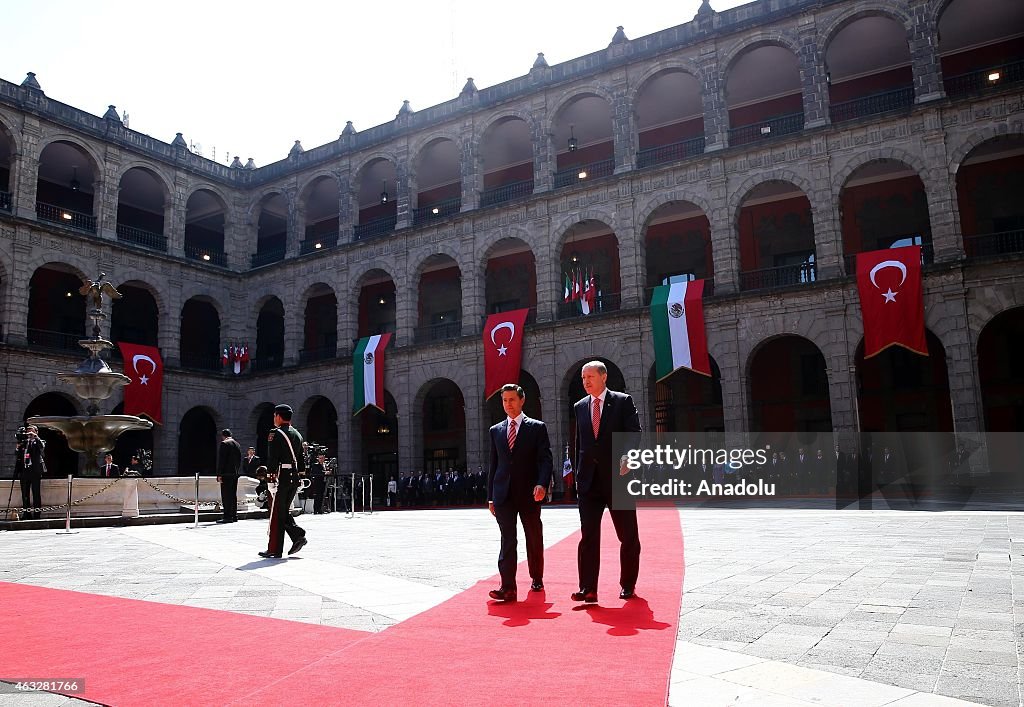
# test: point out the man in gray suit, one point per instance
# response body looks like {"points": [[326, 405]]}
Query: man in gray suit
{"points": [[518, 480]]}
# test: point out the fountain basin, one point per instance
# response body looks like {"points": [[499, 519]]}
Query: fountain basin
{"points": [[93, 435]]}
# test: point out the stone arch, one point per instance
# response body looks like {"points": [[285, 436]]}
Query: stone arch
{"points": [[70, 261], [605, 216], [569, 95], [814, 331], [752, 41], [861, 159], [502, 115], [661, 67], [983, 310], [257, 200], [863, 9], [40, 388], [318, 285], [442, 248], [205, 297], [737, 196], [657, 201], [6, 126], [486, 247], [959, 152], [359, 167], [214, 189], [165, 181], [89, 150], [417, 146], [139, 279], [309, 180], [263, 299], [356, 279], [560, 234]]}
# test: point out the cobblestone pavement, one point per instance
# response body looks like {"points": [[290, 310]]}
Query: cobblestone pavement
{"points": [[781, 607]]}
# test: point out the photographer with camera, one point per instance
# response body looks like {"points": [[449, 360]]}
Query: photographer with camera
{"points": [[29, 468], [318, 473]]}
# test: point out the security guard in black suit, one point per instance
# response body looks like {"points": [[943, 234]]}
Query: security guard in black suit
{"points": [[285, 461]]}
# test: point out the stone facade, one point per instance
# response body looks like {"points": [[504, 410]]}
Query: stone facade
{"points": [[932, 138]]}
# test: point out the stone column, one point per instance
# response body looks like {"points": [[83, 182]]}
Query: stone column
{"points": [[175, 212], [547, 269], [947, 237], [106, 189], [296, 223], [347, 211], [824, 214], [812, 74], [725, 252], [631, 276], [924, 54], [239, 236], [473, 284], [469, 168], [405, 305], [724, 345], [716, 114], [623, 127], [543, 155], [25, 174], [406, 188]]}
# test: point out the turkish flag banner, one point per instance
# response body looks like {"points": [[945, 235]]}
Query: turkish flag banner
{"points": [[146, 369], [891, 299], [503, 349]]}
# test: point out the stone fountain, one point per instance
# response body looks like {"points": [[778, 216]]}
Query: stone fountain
{"points": [[94, 381]]}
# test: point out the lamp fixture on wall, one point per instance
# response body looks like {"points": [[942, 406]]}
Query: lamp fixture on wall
{"points": [[382, 301], [75, 184], [573, 142], [384, 193]]}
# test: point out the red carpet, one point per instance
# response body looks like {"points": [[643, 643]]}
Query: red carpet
{"points": [[544, 649]]}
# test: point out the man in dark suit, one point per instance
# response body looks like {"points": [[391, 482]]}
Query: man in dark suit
{"points": [[229, 461], [286, 463], [516, 484], [109, 469], [29, 469], [600, 415], [251, 463]]}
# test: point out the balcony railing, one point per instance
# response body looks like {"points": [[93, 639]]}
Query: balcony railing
{"points": [[217, 257], [506, 192], [436, 211], [313, 245], [709, 290], [55, 340], [673, 152], [5, 201], [927, 258], [994, 244], [782, 276], [265, 363], [147, 239], [439, 331], [267, 257], [874, 104], [766, 129], [199, 361], [66, 217], [321, 354], [982, 80], [584, 172], [606, 302], [374, 228]]}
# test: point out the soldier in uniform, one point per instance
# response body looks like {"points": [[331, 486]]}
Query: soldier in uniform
{"points": [[285, 460]]}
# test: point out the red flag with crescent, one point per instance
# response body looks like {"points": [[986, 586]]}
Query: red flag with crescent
{"points": [[503, 349], [891, 299], [146, 369]]}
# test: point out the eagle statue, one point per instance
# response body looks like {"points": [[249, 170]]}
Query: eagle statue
{"points": [[94, 291]]}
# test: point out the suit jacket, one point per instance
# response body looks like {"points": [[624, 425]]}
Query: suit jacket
{"points": [[527, 465], [249, 467], [619, 431], [35, 466], [115, 471], [229, 457]]}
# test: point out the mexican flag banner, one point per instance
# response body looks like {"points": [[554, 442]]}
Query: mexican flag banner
{"points": [[677, 322], [368, 378]]}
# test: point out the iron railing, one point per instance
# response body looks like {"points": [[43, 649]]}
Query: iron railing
{"points": [[782, 276], [323, 242], [55, 340], [374, 228], [672, 152], [66, 217], [438, 332], [766, 129], [217, 257], [267, 257], [994, 243], [709, 290], [898, 99], [147, 239], [506, 192], [320, 354], [589, 171], [436, 211], [981, 80], [605, 302], [265, 363], [201, 361], [5, 201]]}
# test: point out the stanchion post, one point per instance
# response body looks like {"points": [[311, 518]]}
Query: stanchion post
{"points": [[371, 494], [67, 519], [352, 504], [197, 500]]}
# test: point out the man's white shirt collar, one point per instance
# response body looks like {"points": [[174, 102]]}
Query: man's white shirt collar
{"points": [[519, 419]]}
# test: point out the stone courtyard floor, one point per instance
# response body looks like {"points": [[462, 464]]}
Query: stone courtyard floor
{"points": [[780, 606]]}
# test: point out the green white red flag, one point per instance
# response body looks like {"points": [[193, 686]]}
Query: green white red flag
{"points": [[677, 322], [368, 367]]}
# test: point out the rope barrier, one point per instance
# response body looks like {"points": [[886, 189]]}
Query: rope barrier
{"points": [[41, 509]]}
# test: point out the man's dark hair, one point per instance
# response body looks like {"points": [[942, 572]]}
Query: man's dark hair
{"points": [[225, 433], [513, 387]]}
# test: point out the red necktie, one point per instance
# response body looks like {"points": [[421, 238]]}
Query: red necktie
{"points": [[511, 434], [595, 415]]}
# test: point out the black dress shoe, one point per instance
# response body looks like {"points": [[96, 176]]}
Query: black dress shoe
{"points": [[627, 593], [585, 595], [298, 545], [271, 555], [537, 586], [502, 594]]}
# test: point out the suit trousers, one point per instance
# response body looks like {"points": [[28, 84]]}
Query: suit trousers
{"points": [[529, 512], [281, 520], [592, 505], [228, 496], [30, 487]]}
